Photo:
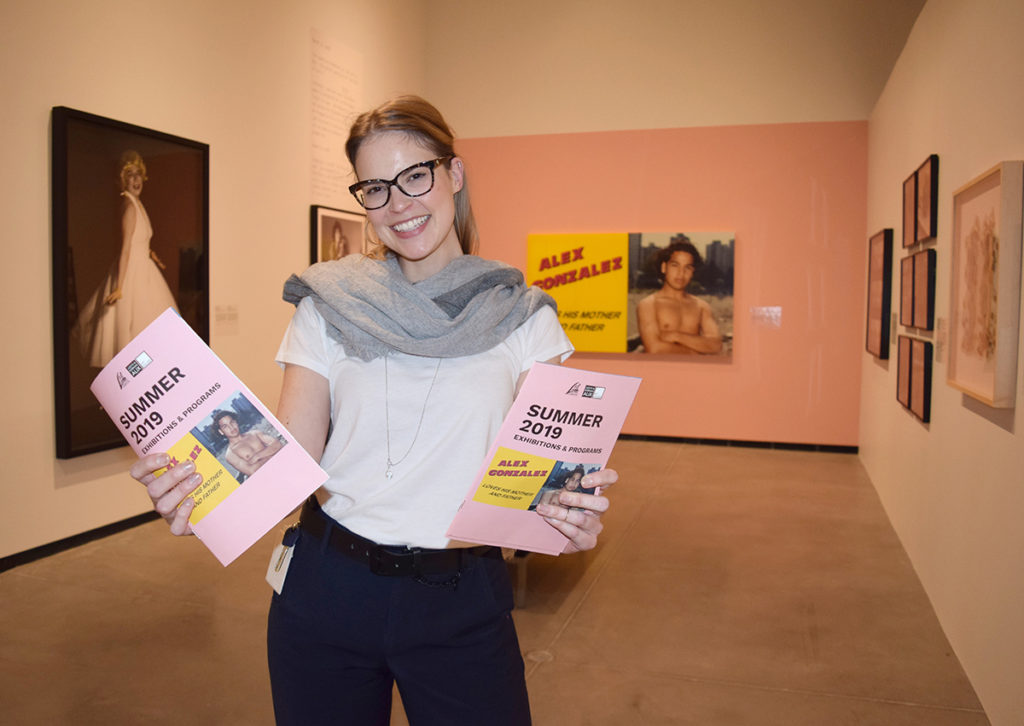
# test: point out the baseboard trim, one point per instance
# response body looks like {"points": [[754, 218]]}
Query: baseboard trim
{"points": [[38, 553], [824, 448]]}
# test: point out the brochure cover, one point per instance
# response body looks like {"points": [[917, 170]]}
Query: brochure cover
{"points": [[167, 391], [562, 426]]}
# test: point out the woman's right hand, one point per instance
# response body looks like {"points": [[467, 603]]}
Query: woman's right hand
{"points": [[170, 489]]}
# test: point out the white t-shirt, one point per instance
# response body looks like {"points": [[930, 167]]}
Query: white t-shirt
{"points": [[434, 468]]}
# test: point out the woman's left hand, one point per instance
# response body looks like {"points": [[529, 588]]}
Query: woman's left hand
{"points": [[578, 515]]}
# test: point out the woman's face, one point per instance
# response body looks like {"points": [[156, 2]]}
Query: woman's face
{"points": [[132, 177], [419, 230]]}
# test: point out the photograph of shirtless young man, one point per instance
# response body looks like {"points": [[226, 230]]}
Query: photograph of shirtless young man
{"points": [[247, 450], [671, 320]]}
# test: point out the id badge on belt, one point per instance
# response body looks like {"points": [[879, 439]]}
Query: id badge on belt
{"points": [[281, 558]]}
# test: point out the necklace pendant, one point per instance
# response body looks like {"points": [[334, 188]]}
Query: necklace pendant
{"points": [[389, 473]]}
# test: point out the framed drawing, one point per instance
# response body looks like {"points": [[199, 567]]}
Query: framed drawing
{"points": [[985, 291], [903, 370], [130, 224], [879, 293], [924, 290], [334, 233], [927, 175], [910, 210], [907, 291], [921, 379]]}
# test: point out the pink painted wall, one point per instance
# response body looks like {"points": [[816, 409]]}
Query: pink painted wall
{"points": [[795, 194]]}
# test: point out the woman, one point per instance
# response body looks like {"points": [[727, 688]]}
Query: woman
{"points": [[134, 292], [339, 245], [397, 374]]}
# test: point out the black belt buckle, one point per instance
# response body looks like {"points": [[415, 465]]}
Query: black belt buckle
{"points": [[385, 562]]}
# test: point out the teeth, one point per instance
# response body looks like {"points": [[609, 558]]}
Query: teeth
{"points": [[410, 225]]}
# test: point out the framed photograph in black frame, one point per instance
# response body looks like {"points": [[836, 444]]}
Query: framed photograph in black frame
{"points": [[879, 293], [907, 291], [910, 210], [923, 316], [921, 379], [927, 225], [334, 233], [903, 354], [130, 220]]}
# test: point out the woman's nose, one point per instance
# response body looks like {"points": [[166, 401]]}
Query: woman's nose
{"points": [[398, 200]]}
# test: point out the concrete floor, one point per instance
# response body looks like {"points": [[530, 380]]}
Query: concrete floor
{"points": [[732, 586]]}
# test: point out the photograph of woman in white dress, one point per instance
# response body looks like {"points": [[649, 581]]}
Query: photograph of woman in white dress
{"points": [[134, 292]]}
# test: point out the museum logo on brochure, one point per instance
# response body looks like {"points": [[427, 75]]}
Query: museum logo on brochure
{"points": [[135, 367], [588, 391]]}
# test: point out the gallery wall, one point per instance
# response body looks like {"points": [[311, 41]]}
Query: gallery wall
{"points": [[954, 488], [235, 75], [794, 196]]}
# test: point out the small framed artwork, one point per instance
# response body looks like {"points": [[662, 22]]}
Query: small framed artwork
{"points": [[907, 291], [130, 224], [985, 290], [926, 226], [910, 210], [879, 293], [924, 290], [921, 379], [903, 354], [334, 233]]}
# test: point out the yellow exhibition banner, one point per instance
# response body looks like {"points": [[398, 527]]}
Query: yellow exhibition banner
{"points": [[587, 274]]}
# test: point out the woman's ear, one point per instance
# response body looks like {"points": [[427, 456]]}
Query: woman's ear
{"points": [[456, 173]]}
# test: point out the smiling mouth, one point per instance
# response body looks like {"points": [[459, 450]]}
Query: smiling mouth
{"points": [[411, 224]]}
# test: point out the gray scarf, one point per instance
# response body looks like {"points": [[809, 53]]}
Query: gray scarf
{"points": [[371, 308]]}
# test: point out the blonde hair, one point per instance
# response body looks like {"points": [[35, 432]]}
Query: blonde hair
{"points": [[131, 160], [419, 119]]}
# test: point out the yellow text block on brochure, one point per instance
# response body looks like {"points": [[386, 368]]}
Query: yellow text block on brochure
{"points": [[588, 276], [217, 482], [513, 479]]}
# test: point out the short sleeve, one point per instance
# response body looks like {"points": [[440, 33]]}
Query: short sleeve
{"points": [[540, 338], [305, 342]]}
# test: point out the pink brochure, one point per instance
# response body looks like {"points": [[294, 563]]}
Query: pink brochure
{"points": [[167, 391], [562, 426]]}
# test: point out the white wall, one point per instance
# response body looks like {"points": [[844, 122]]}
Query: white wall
{"points": [[233, 74], [568, 66], [954, 490]]}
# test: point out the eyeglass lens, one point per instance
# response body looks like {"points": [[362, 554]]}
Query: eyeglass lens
{"points": [[415, 181]]}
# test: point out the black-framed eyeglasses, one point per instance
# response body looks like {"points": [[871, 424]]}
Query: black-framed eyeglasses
{"points": [[415, 181]]}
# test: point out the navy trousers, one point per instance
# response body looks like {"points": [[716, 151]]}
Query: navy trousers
{"points": [[339, 637]]}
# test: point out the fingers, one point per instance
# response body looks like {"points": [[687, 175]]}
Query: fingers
{"points": [[179, 519], [588, 502], [577, 516], [145, 467], [603, 478], [170, 490]]}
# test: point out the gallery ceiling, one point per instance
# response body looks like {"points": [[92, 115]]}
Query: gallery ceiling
{"points": [[550, 66]]}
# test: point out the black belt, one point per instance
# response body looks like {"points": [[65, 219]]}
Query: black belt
{"points": [[387, 560]]}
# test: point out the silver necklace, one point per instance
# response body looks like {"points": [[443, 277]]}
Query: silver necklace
{"points": [[387, 418]]}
